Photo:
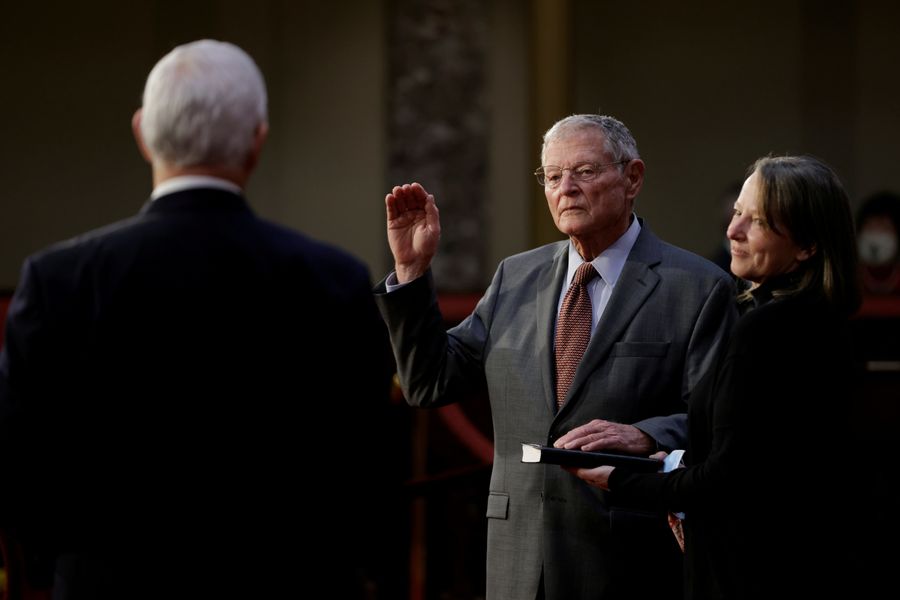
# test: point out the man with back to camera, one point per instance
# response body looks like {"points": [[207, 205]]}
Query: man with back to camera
{"points": [[657, 316], [163, 378]]}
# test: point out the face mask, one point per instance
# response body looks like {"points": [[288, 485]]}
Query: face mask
{"points": [[877, 247]]}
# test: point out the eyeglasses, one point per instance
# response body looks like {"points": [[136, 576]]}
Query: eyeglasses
{"points": [[551, 175]]}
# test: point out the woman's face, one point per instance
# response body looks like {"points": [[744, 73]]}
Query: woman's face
{"points": [[757, 251]]}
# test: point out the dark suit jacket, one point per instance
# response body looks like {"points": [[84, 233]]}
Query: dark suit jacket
{"points": [[165, 388], [668, 314], [770, 454]]}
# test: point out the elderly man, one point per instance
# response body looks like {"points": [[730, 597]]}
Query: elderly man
{"points": [[163, 377], [607, 332]]}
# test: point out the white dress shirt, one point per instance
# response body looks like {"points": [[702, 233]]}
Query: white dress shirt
{"points": [[609, 265], [189, 182]]}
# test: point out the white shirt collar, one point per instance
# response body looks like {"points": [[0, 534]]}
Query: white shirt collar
{"points": [[189, 182], [610, 262]]}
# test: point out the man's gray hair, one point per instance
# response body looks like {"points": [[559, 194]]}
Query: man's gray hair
{"points": [[203, 103], [619, 144]]}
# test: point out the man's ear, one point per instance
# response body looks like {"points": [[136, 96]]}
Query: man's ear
{"points": [[634, 173], [139, 137], [259, 139]]}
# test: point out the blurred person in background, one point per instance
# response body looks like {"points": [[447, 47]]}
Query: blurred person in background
{"points": [[878, 236]]}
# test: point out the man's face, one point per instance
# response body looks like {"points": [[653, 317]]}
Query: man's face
{"points": [[599, 210]]}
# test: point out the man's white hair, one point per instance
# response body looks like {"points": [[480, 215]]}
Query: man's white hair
{"points": [[203, 103], [618, 141]]}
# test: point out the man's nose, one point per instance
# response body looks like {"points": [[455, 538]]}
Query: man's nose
{"points": [[567, 183]]}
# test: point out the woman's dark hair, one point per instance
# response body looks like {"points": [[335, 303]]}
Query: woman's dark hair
{"points": [[801, 197]]}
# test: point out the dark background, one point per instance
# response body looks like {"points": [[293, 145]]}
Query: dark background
{"points": [[365, 94]]}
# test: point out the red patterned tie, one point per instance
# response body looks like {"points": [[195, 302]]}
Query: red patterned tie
{"points": [[573, 329]]}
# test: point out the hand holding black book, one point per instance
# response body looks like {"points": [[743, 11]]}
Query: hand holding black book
{"points": [[537, 453]]}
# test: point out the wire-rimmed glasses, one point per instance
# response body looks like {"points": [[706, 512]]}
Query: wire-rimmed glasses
{"points": [[550, 176]]}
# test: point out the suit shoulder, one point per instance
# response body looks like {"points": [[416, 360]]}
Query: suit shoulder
{"points": [[535, 256], [529, 266], [318, 254], [679, 260], [85, 243]]}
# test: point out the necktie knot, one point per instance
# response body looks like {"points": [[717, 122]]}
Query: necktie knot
{"points": [[584, 274]]}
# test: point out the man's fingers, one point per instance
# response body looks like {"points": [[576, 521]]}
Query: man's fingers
{"points": [[583, 434], [390, 204], [574, 437], [416, 189], [405, 198], [581, 441], [597, 444], [433, 215]]}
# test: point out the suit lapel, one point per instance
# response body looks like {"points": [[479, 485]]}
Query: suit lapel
{"points": [[549, 285], [635, 284]]}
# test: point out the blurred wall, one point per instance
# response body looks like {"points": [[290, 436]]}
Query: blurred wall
{"points": [[706, 87], [73, 74]]}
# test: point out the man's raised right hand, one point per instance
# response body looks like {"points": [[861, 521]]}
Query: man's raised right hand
{"points": [[413, 228]]}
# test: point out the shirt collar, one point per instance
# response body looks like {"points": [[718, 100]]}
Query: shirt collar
{"points": [[610, 262], [187, 182]]}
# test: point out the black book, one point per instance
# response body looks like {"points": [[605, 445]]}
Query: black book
{"points": [[536, 453]]}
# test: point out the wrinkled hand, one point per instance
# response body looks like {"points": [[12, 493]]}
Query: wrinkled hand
{"points": [[597, 477], [414, 230], [605, 435]]}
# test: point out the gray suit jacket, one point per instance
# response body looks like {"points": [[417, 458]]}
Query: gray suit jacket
{"points": [[669, 313]]}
